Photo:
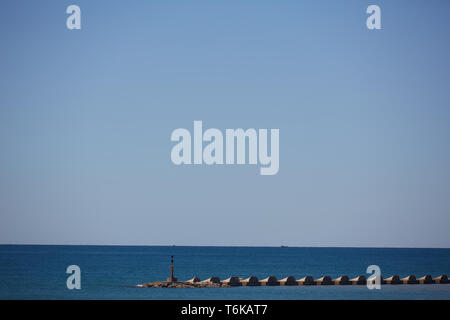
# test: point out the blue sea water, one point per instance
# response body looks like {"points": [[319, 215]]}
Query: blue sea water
{"points": [[110, 272]]}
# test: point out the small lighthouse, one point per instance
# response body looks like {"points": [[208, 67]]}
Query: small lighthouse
{"points": [[171, 278]]}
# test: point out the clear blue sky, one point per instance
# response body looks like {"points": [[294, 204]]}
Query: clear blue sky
{"points": [[364, 118]]}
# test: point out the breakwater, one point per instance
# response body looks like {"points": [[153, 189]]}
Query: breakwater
{"points": [[292, 281]]}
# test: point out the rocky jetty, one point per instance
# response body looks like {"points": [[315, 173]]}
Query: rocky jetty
{"points": [[180, 284]]}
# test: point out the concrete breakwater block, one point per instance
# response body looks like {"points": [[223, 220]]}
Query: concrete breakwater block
{"points": [[342, 281], [426, 279], [393, 280], [410, 280], [232, 282], [194, 280], [441, 279], [270, 281], [288, 281], [306, 281], [359, 280], [324, 281], [250, 282], [211, 280]]}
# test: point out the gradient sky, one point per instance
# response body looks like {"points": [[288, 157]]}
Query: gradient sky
{"points": [[86, 118]]}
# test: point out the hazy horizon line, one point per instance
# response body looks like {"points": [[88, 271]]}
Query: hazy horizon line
{"points": [[220, 246]]}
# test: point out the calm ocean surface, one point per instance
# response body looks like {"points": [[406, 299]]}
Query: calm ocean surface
{"points": [[38, 272]]}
